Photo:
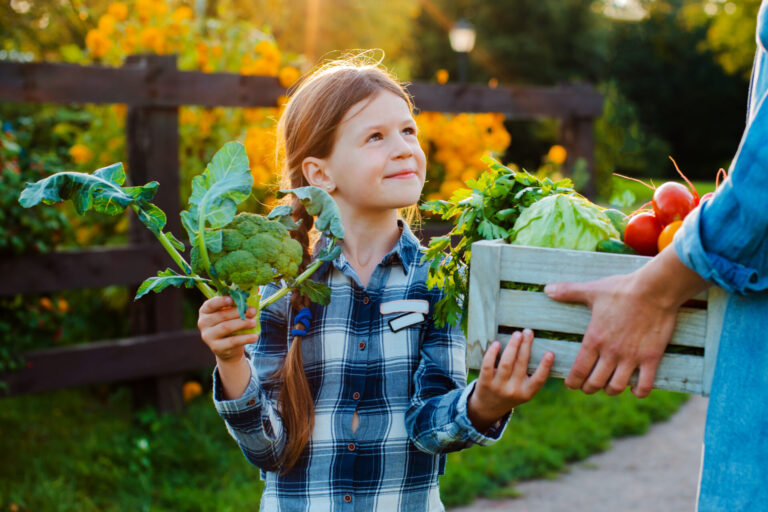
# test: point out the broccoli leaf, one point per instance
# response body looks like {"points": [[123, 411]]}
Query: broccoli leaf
{"points": [[282, 214], [329, 253], [165, 279], [225, 183], [320, 204], [241, 300], [316, 292], [175, 242]]}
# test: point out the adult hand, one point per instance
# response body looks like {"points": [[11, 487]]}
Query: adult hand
{"points": [[633, 317]]}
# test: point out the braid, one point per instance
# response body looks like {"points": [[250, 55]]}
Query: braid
{"points": [[294, 399]]}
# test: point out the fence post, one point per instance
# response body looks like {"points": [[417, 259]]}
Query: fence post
{"points": [[152, 143], [578, 137]]}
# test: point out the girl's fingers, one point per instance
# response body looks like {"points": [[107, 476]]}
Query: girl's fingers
{"points": [[214, 304], [224, 329], [508, 357], [645, 380], [539, 377], [489, 361], [208, 320], [227, 344], [524, 354]]}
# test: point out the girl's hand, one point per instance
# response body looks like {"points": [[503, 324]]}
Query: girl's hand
{"points": [[218, 318], [501, 389]]}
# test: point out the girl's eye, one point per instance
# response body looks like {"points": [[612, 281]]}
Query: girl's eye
{"points": [[375, 136], [410, 131]]}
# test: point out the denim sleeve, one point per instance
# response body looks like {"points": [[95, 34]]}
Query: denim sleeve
{"points": [[252, 420], [725, 240], [437, 420]]}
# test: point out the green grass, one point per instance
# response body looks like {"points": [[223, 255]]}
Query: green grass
{"points": [[85, 450]]}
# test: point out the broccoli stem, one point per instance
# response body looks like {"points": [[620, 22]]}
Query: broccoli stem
{"points": [[253, 301], [204, 253], [179, 260], [279, 294]]}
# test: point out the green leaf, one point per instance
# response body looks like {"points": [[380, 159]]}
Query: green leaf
{"points": [[316, 292], [175, 242], [321, 205], [225, 183], [283, 214], [241, 300], [329, 253], [165, 279]]}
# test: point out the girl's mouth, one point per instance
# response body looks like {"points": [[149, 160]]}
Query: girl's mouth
{"points": [[403, 175]]}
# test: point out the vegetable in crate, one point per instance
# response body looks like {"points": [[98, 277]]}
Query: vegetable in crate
{"points": [[563, 221], [233, 253], [485, 211]]}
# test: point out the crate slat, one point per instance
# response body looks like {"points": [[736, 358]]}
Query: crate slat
{"points": [[541, 265], [537, 311], [491, 306]]}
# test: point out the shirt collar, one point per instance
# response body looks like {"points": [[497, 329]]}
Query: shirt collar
{"points": [[406, 250]]}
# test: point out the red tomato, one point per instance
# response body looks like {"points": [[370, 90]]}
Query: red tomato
{"points": [[642, 233], [672, 201]]}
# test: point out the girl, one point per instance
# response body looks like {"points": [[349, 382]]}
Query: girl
{"points": [[354, 405]]}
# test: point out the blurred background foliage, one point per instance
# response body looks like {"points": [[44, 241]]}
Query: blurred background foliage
{"points": [[674, 75]]}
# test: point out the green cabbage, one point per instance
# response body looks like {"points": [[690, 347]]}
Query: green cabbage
{"points": [[563, 221]]}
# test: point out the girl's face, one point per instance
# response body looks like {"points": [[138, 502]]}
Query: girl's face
{"points": [[376, 162]]}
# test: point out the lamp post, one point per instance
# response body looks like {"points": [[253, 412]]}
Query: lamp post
{"points": [[462, 37]]}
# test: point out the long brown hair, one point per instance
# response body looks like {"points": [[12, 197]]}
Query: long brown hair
{"points": [[307, 128]]}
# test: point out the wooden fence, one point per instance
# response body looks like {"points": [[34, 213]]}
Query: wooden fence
{"points": [[153, 89]]}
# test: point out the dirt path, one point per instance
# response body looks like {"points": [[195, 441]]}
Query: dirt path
{"points": [[655, 472]]}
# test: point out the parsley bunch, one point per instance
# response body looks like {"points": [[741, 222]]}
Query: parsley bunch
{"points": [[487, 210]]}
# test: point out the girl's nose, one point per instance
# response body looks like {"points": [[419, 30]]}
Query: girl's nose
{"points": [[402, 148]]}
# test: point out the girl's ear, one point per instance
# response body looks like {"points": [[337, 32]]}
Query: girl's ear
{"points": [[314, 170]]}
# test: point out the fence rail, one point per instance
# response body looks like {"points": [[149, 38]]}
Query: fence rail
{"points": [[153, 89]]}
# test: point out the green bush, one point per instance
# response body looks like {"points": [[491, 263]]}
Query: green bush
{"points": [[85, 450]]}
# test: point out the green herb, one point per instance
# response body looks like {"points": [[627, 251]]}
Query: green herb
{"points": [[487, 210]]}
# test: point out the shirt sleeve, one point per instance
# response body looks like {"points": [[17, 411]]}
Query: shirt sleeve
{"points": [[725, 239], [252, 420], [437, 420]]}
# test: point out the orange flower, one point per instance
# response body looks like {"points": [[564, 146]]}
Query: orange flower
{"points": [[557, 154], [46, 303], [62, 306], [107, 24], [288, 76], [97, 43], [441, 76], [118, 10], [182, 13], [80, 153], [191, 389]]}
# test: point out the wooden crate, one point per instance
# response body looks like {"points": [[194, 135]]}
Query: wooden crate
{"points": [[492, 308]]}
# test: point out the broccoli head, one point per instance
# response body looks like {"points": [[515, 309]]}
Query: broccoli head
{"points": [[255, 251]]}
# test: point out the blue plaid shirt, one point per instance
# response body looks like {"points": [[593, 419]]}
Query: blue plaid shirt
{"points": [[408, 387]]}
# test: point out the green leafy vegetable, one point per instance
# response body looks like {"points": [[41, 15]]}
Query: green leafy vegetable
{"points": [[236, 254], [486, 210], [563, 221]]}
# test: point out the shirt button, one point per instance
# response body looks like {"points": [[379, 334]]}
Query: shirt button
{"points": [[251, 402], [356, 396], [361, 345], [366, 300], [351, 447], [348, 498]]}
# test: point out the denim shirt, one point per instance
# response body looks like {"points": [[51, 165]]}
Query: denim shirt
{"points": [[726, 241]]}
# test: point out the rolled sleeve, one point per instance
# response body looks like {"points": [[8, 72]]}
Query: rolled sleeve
{"points": [[437, 420], [725, 239]]}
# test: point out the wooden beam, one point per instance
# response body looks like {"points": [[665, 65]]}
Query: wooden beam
{"points": [[109, 361], [90, 268], [138, 83]]}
